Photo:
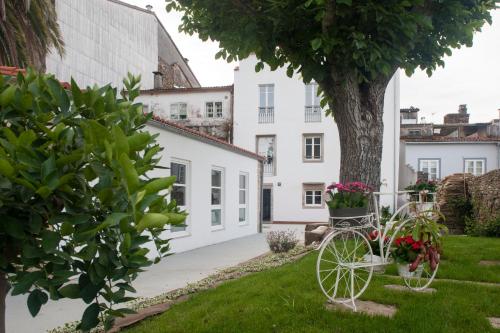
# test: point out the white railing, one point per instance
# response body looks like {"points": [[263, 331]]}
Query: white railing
{"points": [[313, 114], [266, 115]]}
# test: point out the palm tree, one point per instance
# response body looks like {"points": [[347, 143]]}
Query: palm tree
{"points": [[28, 31]]}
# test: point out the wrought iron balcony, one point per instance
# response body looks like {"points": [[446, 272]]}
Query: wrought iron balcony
{"points": [[266, 115], [313, 114]]}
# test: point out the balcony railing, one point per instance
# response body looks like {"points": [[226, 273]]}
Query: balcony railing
{"points": [[266, 115], [313, 114], [268, 168]]}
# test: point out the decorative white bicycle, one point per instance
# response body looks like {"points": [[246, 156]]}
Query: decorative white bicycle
{"points": [[346, 260]]}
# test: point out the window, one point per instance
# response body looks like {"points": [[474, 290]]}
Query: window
{"points": [[414, 133], [312, 98], [477, 166], [313, 196], [266, 147], [180, 188], [266, 103], [213, 109], [216, 197], [243, 198], [178, 111], [312, 150], [431, 167]]}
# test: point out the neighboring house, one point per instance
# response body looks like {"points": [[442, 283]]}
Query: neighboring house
{"points": [[452, 147], [217, 183], [205, 109], [281, 119], [106, 39]]}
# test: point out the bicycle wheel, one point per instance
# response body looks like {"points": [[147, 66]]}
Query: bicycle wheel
{"points": [[344, 267]]}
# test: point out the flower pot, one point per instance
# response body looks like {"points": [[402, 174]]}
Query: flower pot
{"points": [[341, 216], [404, 271], [378, 269]]}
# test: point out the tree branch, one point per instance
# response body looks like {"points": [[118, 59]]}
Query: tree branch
{"points": [[329, 18]]}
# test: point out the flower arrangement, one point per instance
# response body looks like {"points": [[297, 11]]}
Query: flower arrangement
{"points": [[424, 189], [347, 195]]}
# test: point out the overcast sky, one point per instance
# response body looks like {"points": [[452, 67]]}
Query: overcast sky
{"points": [[471, 75]]}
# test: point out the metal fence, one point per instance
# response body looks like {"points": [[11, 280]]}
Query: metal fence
{"points": [[313, 114], [266, 115]]}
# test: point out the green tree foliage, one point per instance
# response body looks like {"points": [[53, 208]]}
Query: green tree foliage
{"points": [[77, 208], [28, 31], [350, 48]]}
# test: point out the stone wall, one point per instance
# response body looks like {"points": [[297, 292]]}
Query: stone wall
{"points": [[453, 191], [485, 196]]}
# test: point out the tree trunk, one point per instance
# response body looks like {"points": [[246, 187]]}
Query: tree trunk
{"points": [[4, 287], [358, 111]]}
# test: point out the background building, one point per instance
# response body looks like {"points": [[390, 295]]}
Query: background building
{"points": [[455, 146], [205, 109], [280, 118], [106, 39]]}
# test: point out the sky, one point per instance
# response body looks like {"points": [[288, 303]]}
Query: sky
{"points": [[471, 75]]}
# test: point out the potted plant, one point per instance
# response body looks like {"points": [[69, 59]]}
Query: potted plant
{"points": [[373, 238], [347, 200], [420, 243], [423, 190]]}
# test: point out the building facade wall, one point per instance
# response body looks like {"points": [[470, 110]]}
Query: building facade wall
{"points": [[104, 41], [159, 103], [201, 158], [452, 155], [289, 127]]}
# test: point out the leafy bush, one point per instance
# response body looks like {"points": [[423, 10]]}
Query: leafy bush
{"points": [[77, 208], [281, 241], [490, 228]]}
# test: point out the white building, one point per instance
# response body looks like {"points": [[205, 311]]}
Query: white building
{"points": [[106, 39], [205, 109], [280, 117], [217, 183], [440, 157]]}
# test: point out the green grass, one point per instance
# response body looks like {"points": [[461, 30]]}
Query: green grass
{"points": [[288, 299]]}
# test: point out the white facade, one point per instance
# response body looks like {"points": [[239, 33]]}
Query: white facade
{"points": [[103, 41], [209, 107], [453, 157], [200, 155], [293, 172]]}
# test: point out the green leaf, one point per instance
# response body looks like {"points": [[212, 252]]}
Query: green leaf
{"points": [[152, 220], [50, 241], [7, 95], [129, 173], [316, 43], [159, 184], [345, 2], [25, 282], [13, 227], [35, 301], [139, 141], [90, 317], [121, 141], [70, 291], [6, 168]]}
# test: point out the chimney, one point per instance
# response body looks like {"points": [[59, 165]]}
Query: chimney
{"points": [[149, 8], [158, 80], [462, 109]]}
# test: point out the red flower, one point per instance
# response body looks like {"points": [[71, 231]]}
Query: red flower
{"points": [[409, 239], [398, 241], [416, 245], [373, 235]]}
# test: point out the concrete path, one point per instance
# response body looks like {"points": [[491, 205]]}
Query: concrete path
{"points": [[171, 273]]}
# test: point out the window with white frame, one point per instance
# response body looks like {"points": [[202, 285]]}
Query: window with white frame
{"points": [[266, 95], [313, 196], [243, 198], [313, 150], [213, 109], [431, 167], [475, 166], [178, 111], [312, 98], [180, 188], [217, 197]]}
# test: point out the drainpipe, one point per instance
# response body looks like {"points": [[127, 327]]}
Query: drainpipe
{"points": [[261, 194], [396, 142]]}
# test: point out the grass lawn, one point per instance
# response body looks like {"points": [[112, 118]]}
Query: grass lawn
{"points": [[288, 299]]}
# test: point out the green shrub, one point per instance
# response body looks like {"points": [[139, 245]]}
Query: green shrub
{"points": [[77, 208], [490, 228]]}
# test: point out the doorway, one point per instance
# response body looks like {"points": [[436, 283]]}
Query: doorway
{"points": [[267, 204]]}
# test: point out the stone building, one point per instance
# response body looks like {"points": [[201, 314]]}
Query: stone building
{"points": [[106, 39]]}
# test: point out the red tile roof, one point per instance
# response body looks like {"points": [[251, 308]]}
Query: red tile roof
{"points": [[449, 139], [205, 137]]}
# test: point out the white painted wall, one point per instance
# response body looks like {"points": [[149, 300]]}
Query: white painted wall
{"points": [[452, 154], [289, 127], [105, 40], [159, 103], [201, 158]]}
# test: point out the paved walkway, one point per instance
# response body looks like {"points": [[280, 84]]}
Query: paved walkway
{"points": [[171, 273]]}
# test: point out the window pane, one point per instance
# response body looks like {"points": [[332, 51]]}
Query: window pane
{"points": [[218, 109], [243, 214], [262, 96], [317, 141], [216, 217], [179, 171], [317, 151], [309, 199], [243, 181], [270, 96], [216, 196], [216, 178], [308, 94], [179, 195], [308, 151], [317, 198], [242, 197]]}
